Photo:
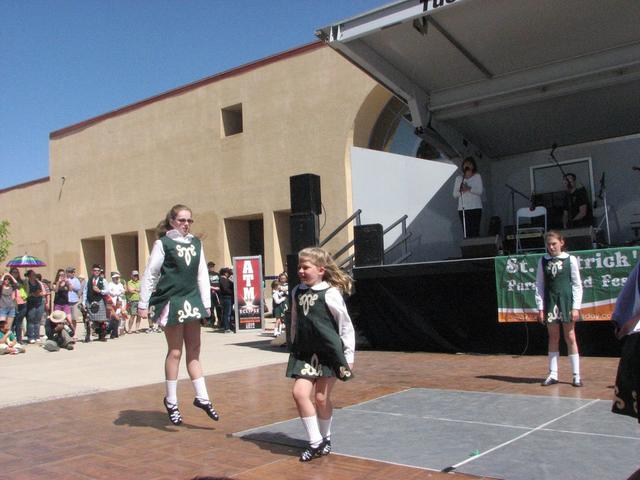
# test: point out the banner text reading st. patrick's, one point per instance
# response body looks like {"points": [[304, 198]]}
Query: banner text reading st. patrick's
{"points": [[603, 273]]}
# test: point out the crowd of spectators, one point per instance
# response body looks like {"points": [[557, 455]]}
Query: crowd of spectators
{"points": [[36, 311]]}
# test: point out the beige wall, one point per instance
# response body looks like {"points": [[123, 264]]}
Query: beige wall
{"points": [[125, 171]]}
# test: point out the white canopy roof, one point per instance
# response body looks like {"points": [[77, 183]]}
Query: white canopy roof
{"points": [[509, 76]]}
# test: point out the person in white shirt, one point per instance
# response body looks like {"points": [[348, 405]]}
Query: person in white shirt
{"points": [[117, 290], [468, 189], [175, 292]]}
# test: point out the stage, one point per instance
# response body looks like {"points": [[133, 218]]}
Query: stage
{"points": [[451, 306]]}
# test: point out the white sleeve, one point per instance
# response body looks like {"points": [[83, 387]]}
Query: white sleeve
{"points": [[540, 287], [84, 291], [338, 309], [278, 297], [576, 283], [294, 315], [475, 183], [456, 186], [151, 274], [203, 281]]}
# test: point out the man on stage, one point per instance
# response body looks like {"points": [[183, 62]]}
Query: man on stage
{"points": [[577, 209]]}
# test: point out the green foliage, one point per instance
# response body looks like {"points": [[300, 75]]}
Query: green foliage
{"points": [[5, 244]]}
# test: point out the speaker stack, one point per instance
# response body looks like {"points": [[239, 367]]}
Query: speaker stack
{"points": [[368, 245], [479, 247], [306, 205], [579, 238]]}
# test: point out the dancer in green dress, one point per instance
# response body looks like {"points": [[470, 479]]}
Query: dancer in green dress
{"points": [[175, 294], [558, 298], [322, 344]]}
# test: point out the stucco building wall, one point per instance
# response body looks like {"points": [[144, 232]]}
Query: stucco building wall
{"points": [[123, 170]]}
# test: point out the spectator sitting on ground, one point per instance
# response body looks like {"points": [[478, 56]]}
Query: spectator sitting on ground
{"points": [[8, 342], [59, 332]]}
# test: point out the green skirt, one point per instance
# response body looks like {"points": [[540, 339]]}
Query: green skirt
{"points": [[627, 389], [311, 365]]}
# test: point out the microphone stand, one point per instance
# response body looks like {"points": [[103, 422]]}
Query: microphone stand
{"points": [[513, 201], [602, 194], [464, 217], [564, 175]]}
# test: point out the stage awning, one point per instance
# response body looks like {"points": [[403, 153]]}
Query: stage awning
{"points": [[510, 76]]}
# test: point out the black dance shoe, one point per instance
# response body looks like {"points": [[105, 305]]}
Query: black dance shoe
{"points": [[310, 452], [174, 413], [207, 407], [326, 447]]}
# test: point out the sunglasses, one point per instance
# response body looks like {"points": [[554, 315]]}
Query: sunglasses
{"points": [[184, 220]]}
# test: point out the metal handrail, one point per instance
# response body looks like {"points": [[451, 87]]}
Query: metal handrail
{"points": [[402, 240], [355, 215], [343, 249], [393, 225], [399, 241]]}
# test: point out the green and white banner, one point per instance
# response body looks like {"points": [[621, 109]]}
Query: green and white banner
{"points": [[603, 273]]}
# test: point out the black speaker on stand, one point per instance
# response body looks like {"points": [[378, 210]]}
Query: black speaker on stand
{"points": [[305, 231], [305, 193], [368, 245]]}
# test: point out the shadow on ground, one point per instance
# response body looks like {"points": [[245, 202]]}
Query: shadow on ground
{"points": [[153, 419], [503, 378]]}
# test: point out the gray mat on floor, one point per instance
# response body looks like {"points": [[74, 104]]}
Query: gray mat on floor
{"points": [[515, 437]]}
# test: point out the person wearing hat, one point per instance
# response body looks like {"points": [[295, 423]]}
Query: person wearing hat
{"points": [[118, 318], [133, 297], [75, 292], [59, 331]]}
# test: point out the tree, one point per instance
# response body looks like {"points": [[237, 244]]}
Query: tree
{"points": [[5, 244]]}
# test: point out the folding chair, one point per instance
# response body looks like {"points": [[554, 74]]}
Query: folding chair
{"points": [[527, 229]]}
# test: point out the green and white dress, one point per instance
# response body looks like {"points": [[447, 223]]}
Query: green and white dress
{"points": [[558, 287], [322, 335], [175, 284]]}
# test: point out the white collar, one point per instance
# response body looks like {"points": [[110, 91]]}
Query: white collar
{"points": [[562, 256], [178, 237], [317, 286]]}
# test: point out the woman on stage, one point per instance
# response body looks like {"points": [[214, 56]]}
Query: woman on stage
{"points": [[175, 293], [468, 190]]}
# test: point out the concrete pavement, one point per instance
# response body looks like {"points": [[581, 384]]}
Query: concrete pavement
{"points": [[129, 361]]}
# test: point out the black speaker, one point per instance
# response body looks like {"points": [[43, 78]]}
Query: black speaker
{"points": [[292, 271], [478, 247], [305, 231], [368, 245], [305, 193], [579, 238]]}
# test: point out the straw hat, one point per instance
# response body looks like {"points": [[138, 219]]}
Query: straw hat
{"points": [[57, 316]]}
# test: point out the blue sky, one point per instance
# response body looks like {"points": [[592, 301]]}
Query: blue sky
{"points": [[64, 61]]}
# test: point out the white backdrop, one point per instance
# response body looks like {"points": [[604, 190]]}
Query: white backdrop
{"points": [[386, 186]]}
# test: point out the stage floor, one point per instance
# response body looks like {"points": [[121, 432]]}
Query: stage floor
{"points": [[516, 437], [430, 401]]}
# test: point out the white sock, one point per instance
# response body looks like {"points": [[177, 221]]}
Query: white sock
{"points": [[313, 432], [575, 365], [171, 387], [201, 389], [325, 427], [553, 364]]}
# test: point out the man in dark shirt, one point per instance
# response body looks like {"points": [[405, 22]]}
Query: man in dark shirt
{"points": [[216, 306], [577, 210], [226, 298]]}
